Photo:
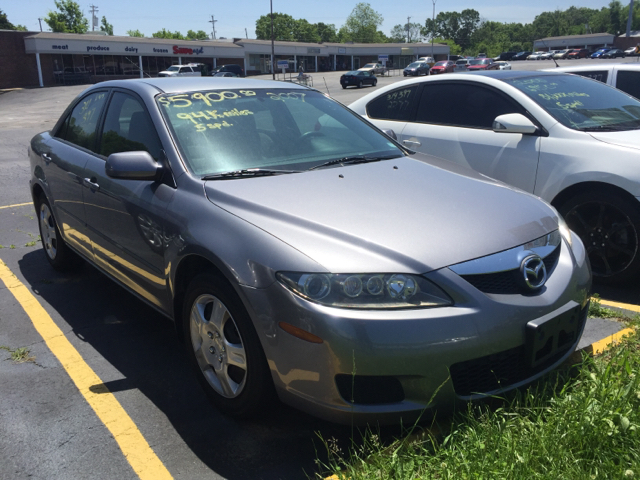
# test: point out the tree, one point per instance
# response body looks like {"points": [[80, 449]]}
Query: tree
{"points": [[135, 33], [199, 35], [327, 32], [68, 18], [454, 49], [106, 26], [362, 24], [454, 26], [409, 32], [168, 34], [5, 24], [283, 27]]}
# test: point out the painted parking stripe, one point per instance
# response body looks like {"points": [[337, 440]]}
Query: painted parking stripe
{"points": [[603, 345], [15, 205], [135, 448], [625, 306]]}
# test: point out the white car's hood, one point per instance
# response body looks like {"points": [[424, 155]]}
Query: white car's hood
{"points": [[629, 139]]}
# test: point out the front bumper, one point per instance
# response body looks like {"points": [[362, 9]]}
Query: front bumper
{"points": [[396, 364]]}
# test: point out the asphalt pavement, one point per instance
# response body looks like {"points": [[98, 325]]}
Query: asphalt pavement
{"points": [[52, 428]]}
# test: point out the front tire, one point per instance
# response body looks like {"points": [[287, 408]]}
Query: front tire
{"points": [[609, 226], [360, 84], [224, 349], [375, 82], [59, 255]]}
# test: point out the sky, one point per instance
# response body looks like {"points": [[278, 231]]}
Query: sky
{"points": [[232, 18]]}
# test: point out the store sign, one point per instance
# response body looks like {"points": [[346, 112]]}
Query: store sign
{"points": [[187, 51], [342, 50], [313, 50]]}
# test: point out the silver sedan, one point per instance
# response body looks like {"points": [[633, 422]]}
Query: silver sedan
{"points": [[305, 255]]}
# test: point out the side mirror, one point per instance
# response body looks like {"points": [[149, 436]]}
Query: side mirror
{"points": [[390, 133], [514, 123], [133, 166]]}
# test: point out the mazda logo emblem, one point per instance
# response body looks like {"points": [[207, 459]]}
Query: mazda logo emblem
{"points": [[533, 272]]}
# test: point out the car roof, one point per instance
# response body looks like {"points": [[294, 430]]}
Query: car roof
{"points": [[587, 68]]}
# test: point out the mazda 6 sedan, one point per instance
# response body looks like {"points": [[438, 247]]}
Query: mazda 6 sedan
{"points": [[302, 253], [572, 141]]}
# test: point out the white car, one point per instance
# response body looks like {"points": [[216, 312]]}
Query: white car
{"points": [[548, 55], [536, 55], [504, 65], [188, 70], [376, 68], [631, 51], [570, 140], [623, 76]]}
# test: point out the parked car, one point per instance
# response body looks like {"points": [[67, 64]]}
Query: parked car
{"points": [[428, 60], [623, 76], [570, 140], [599, 53], [358, 78], [224, 74], [446, 66], [299, 260], [535, 55], [547, 55], [506, 55], [233, 68], [562, 54], [632, 51], [503, 65], [188, 70], [613, 53], [416, 69], [481, 55], [376, 68], [482, 64], [461, 65], [520, 56], [578, 53]]}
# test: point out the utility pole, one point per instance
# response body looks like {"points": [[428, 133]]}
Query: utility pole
{"points": [[433, 29], [408, 27], [273, 50], [213, 25], [40, 20], [246, 34], [630, 19], [94, 19]]}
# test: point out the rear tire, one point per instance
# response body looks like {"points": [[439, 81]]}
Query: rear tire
{"points": [[360, 84], [609, 226], [59, 255], [224, 349]]}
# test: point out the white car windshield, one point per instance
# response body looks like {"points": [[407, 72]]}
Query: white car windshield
{"points": [[581, 103], [221, 131], [173, 68], [370, 65]]}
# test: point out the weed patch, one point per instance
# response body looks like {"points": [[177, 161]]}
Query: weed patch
{"points": [[19, 355]]}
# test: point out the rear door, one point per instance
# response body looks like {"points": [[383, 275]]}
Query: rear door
{"points": [[393, 110]]}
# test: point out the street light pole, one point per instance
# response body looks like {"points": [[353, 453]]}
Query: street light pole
{"points": [[273, 55], [433, 27]]}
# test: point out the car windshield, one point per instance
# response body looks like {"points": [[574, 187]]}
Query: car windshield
{"points": [[353, 72], [173, 68], [441, 64], [581, 103], [220, 131], [478, 61], [414, 65], [369, 65]]}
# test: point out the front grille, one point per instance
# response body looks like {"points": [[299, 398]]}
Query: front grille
{"points": [[503, 369], [506, 283]]}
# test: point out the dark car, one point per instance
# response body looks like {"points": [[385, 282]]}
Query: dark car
{"points": [[614, 53], [600, 53], [358, 78], [581, 53], [446, 66], [416, 68], [481, 64], [507, 55], [237, 69], [224, 74], [521, 56]]}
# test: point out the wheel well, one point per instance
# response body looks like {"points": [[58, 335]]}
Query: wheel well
{"points": [[579, 188], [36, 192], [189, 268]]}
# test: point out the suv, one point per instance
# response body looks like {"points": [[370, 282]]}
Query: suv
{"points": [[623, 76], [233, 68], [506, 55], [188, 70]]}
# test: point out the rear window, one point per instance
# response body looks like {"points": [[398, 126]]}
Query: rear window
{"points": [[629, 82]]}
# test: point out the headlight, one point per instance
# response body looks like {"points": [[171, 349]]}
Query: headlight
{"points": [[366, 290]]}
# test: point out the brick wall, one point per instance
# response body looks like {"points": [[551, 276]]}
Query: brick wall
{"points": [[19, 69]]}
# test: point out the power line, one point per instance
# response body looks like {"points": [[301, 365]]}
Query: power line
{"points": [[213, 25]]}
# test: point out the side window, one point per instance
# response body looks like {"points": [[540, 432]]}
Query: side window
{"points": [[600, 75], [80, 126], [629, 82], [463, 105], [395, 105], [128, 127]]}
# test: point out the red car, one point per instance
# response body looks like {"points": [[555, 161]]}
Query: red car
{"points": [[445, 66], [482, 64], [581, 53]]}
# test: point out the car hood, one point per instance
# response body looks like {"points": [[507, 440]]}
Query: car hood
{"points": [[396, 215], [629, 139]]}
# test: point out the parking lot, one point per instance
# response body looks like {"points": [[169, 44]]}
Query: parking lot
{"points": [[142, 413]]}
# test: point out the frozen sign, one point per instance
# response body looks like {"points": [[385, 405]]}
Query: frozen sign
{"points": [[187, 51]]}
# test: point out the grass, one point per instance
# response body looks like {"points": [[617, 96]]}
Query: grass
{"points": [[19, 355], [581, 422]]}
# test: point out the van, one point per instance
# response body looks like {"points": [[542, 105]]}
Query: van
{"points": [[623, 76], [428, 60]]}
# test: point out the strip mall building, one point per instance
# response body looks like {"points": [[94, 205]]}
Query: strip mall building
{"points": [[44, 59]]}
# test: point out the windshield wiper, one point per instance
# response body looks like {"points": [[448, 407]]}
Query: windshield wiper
{"points": [[354, 160], [247, 173]]}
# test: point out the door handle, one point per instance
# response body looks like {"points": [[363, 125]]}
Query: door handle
{"points": [[411, 142], [46, 158], [92, 185]]}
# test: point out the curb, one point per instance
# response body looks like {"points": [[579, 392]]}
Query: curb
{"points": [[625, 308]]}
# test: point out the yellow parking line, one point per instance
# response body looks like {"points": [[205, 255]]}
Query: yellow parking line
{"points": [[626, 306], [16, 205], [604, 344], [135, 448]]}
